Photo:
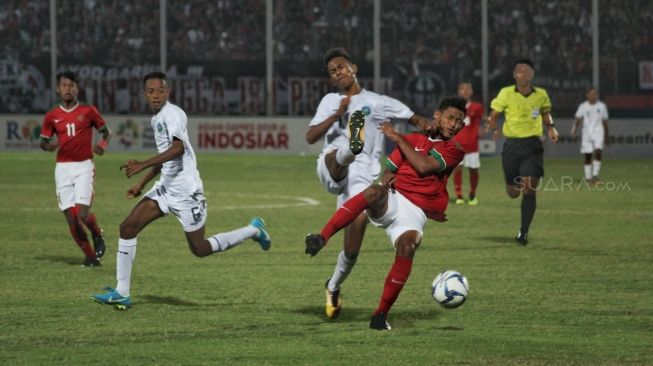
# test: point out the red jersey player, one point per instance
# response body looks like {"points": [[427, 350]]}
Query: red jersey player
{"points": [[414, 188], [73, 125], [468, 138]]}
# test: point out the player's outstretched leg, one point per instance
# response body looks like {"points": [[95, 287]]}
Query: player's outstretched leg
{"points": [[79, 235], [357, 132], [223, 241], [89, 220], [458, 185], [473, 184]]}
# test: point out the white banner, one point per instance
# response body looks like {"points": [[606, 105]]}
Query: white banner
{"points": [[283, 135]]}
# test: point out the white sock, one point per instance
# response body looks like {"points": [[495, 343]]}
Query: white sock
{"points": [[588, 171], [124, 260], [223, 241], [596, 167], [344, 156], [343, 268]]}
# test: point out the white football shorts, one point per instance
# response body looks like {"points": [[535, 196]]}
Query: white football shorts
{"points": [[591, 140], [190, 210], [74, 183], [401, 216], [472, 160]]}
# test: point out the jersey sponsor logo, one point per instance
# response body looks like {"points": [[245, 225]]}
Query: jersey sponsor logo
{"points": [[366, 110]]}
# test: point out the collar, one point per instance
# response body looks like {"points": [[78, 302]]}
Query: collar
{"points": [[69, 110], [526, 95]]}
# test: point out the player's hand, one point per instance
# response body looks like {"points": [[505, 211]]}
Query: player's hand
{"points": [[389, 180], [52, 146], [573, 131], [132, 167], [387, 129], [134, 191], [496, 135], [553, 134], [344, 103], [98, 150]]}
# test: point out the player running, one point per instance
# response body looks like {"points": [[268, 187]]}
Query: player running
{"points": [[347, 121], [414, 188], [593, 114], [468, 139], [179, 190], [74, 173]]}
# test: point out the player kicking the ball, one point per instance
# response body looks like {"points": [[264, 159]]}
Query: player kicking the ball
{"points": [[178, 190], [414, 189], [73, 125], [347, 121]]}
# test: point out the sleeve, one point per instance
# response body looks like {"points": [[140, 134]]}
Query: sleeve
{"points": [[327, 107], [96, 119], [392, 108], [546, 103], [604, 112], [579, 111], [176, 125], [499, 103], [447, 155], [47, 128], [393, 160]]}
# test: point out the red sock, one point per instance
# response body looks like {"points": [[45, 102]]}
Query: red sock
{"points": [[77, 231], [91, 224], [458, 182], [473, 182], [394, 282], [344, 215]]}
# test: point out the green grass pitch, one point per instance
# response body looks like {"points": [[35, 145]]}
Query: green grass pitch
{"points": [[579, 293]]}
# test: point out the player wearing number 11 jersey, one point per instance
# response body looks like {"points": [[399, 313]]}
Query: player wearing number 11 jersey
{"points": [[72, 124]]}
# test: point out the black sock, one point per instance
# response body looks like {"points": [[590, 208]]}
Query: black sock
{"points": [[528, 204]]}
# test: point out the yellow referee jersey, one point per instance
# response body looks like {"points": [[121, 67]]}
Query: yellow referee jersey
{"points": [[523, 114]]}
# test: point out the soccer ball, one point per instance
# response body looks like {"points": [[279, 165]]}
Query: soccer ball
{"points": [[450, 289]]}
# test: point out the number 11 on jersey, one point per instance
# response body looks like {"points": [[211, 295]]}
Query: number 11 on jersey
{"points": [[70, 129]]}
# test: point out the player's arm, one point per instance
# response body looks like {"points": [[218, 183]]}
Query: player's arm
{"points": [[550, 126], [492, 124], [423, 165], [48, 144], [316, 132], [106, 134], [133, 167], [420, 122], [606, 136], [574, 127], [136, 189]]}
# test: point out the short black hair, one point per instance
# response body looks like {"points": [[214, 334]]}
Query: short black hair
{"points": [[333, 53], [453, 101], [67, 75], [590, 88], [155, 75], [525, 61]]}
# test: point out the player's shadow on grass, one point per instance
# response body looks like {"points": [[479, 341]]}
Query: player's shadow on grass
{"points": [[168, 300], [70, 260], [403, 317]]}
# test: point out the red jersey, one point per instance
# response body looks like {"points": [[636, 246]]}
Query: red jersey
{"points": [[468, 136], [430, 192], [74, 130]]}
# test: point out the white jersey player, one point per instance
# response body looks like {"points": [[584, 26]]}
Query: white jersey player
{"points": [[348, 123], [179, 191], [593, 114]]}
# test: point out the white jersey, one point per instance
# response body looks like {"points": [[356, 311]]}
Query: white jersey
{"points": [[593, 116], [377, 109], [179, 176]]}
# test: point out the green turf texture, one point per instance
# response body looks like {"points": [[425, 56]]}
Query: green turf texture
{"points": [[580, 293]]}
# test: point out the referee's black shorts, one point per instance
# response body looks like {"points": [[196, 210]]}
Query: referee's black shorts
{"points": [[522, 157]]}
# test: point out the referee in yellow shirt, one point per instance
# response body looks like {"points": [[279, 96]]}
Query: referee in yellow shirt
{"points": [[525, 107]]}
